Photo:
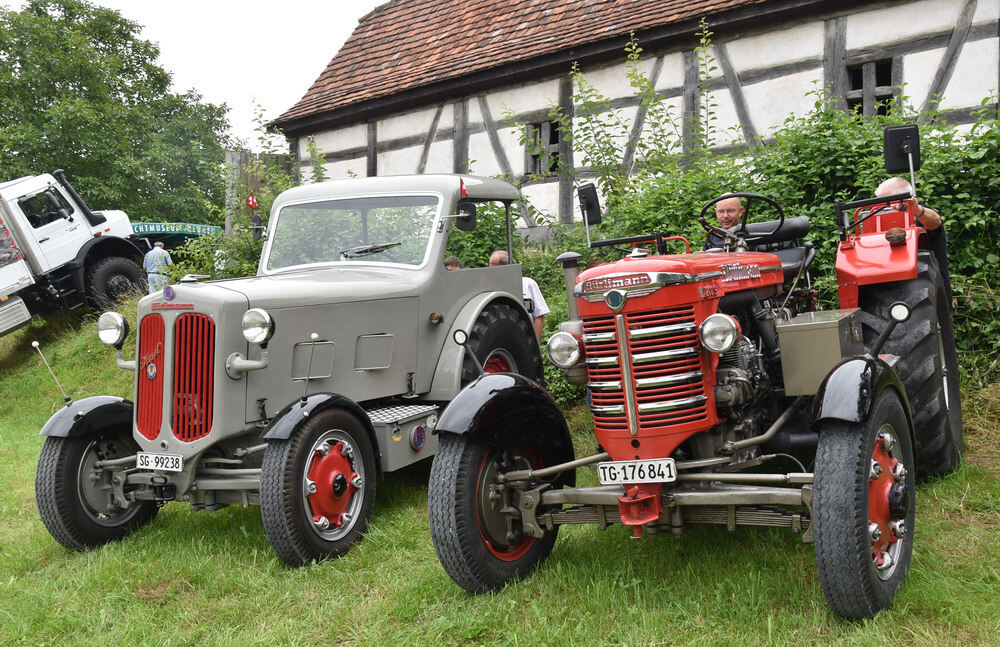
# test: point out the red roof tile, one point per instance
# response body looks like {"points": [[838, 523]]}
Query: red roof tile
{"points": [[407, 44]]}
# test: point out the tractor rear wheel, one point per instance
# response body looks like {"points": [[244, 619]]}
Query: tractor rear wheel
{"points": [[863, 509], [480, 546], [928, 365], [113, 279]]}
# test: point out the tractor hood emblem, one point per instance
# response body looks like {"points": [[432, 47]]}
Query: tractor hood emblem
{"points": [[615, 299]]}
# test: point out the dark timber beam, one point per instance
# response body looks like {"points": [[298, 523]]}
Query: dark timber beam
{"points": [[566, 151], [947, 66], [640, 119], [501, 155], [431, 133], [736, 93], [460, 146]]}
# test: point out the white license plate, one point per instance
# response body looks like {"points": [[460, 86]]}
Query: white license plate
{"points": [[163, 462], [653, 470]]}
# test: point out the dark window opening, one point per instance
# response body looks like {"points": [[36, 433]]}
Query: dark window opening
{"points": [[873, 86], [45, 207], [542, 148]]}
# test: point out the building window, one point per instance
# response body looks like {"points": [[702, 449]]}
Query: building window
{"points": [[542, 148], [873, 85]]}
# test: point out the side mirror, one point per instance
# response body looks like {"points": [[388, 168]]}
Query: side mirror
{"points": [[466, 220], [590, 205], [900, 144], [255, 226]]}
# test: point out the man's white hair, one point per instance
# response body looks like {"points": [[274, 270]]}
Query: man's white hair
{"points": [[892, 186]]}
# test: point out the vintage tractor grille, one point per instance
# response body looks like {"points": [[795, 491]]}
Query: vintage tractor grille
{"points": [[661, 381], [194, 350], [149, 368]]}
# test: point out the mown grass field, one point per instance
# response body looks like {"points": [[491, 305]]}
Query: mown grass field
{"points": [[213, 579]]}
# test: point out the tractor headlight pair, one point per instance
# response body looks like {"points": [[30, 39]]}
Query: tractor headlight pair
{"points": [[257, 326], [719, 332]]}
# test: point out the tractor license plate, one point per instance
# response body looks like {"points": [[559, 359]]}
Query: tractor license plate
{"points": [[163, 462], [653, 470]]}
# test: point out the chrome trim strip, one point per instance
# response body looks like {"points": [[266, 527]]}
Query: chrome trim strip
{"points": [[672, 405], [656, 331], [598, 337], [633, 416], [770, 268], [660, 355], [613, 385], [601, 361], [612, 410], [669, 380]]}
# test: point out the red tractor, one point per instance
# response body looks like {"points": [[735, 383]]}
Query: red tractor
{"points": [[720, 395]]}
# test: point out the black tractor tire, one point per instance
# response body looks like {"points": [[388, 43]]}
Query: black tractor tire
{"points": [[78, 510], [111, 280], [928, 365], [859, 570], [504, 342], [467, 527], [317, 488]]}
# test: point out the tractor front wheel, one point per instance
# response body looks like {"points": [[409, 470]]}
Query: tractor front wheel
{"points": [[863, 509]]}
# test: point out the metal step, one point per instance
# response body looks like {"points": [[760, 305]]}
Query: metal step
{"points": [[13, 314]]}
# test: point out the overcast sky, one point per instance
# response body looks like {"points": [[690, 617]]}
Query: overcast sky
{"points": [[243, 52]]}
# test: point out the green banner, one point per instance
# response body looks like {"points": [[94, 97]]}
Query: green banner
{"points": [[184, 228]]}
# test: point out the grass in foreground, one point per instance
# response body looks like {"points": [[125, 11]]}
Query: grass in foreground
{"points": [[212, 578]]}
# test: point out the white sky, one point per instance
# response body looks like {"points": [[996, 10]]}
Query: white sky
{"points": [[243, 52]]}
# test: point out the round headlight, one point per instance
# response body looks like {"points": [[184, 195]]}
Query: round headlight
{"points": [[257, 326], [112, 329], [719, 332], [564, 349]]}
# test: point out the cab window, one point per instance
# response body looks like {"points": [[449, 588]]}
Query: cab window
{"points": [[45, 207]]}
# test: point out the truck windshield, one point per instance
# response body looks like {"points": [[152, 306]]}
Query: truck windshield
{"points": [[386, 229]]}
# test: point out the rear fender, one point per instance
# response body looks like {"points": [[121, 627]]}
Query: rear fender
{"points": [[849, 392], [500, 408], [870, 259], [290, 419], [89, 416]]}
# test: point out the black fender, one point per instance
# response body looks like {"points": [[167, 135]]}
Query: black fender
{"points": [[498, 408], [89, 416], [848, 392], [287, 421]]}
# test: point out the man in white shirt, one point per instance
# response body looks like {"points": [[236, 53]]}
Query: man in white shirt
{"points": [[529, 291]]}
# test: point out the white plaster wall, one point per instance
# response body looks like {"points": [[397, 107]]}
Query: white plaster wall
{"points": [[918, 72], [409, 124], [610, 80], [484, 162], [524, 98], [619, 123], [447, 119], [544, 198], [343, 170], [330, 141], [439, 158], [672, 74], [510, 142], [726, 128], [674, 133], [986, 10], [798, 43], [771, 102], [399, 162], [975, 75], [899, 23]]}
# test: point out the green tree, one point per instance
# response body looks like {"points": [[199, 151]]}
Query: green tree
{"points": [[79, 90]]}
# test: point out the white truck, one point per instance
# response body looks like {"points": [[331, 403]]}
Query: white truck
{"points": [[55, 253]]}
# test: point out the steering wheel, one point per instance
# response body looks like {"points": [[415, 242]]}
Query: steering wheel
{"points": [[740, 236]]}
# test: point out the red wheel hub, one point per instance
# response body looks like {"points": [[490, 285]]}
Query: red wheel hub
{"points": [[334, 480], [488, 515], [881, 480], [498, 364]]}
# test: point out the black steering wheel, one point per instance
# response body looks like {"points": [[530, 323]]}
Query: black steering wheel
{"points": [[740, 236]]}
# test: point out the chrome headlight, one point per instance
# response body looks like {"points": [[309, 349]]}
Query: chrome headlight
{"points": [[257, 326], [719, 332], [564, 349], [112, 329]]}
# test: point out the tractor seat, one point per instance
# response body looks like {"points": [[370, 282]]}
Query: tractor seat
{"points": [[785, 243]]}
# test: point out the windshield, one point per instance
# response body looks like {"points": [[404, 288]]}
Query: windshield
{"points": [[385, 229]]}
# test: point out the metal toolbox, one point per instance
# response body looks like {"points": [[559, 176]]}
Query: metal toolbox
{"points": [[812, 343]]}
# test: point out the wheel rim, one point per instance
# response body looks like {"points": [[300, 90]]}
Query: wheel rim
{"points": [[888, 503], [94, 487], [500, 361], [333, 483], [493, 527], [118, 286]]}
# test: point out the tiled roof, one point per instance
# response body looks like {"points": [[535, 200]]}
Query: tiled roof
{"points": [[407, 44]]}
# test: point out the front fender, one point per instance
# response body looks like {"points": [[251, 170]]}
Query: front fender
{"points": [[500, 408], [849, 392], [89, 416]]}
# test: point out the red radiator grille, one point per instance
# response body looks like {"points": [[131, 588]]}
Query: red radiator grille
{"points": [[149, 370], [664, 358], [194, 350]]}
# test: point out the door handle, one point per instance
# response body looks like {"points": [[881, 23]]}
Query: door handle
{"points": [[42, 240]]}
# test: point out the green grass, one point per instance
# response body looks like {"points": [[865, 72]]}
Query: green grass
{"points": [[212, 579]]}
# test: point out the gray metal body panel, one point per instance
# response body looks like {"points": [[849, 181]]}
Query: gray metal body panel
{"points": [[812, 343]]}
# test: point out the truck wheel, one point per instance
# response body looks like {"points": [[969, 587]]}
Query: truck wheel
{"points": [[111, 280], [317, 488], [928, 365], [863, 509], [76, 500], [470, 534], [504, 343]]}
